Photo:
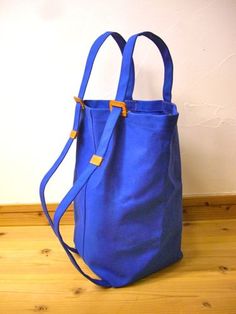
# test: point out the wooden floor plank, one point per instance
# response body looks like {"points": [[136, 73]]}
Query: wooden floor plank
{"points": [[209, 200], [34, 218], [194, 208], [188, 201], [36, 276]]}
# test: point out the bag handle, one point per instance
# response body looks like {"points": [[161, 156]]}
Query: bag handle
{"points": [[123, 92], [91, 58]]}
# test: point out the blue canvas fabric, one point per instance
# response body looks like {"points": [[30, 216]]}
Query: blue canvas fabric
{"points": [[128, 209]]}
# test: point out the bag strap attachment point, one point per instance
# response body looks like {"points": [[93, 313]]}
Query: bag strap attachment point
{"points": [[96, 160], [74, 134], [79, 101], [120, 104]]}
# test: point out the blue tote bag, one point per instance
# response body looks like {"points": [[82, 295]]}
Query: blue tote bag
{"points": [[127, 190]]}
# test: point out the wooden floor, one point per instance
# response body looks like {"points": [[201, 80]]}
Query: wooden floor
{"points": [[36, 275]]}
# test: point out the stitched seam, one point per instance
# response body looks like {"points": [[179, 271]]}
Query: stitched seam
{"points": [[91, 124], [171, 179], [85, 211], [92, 130], [84, 227]]}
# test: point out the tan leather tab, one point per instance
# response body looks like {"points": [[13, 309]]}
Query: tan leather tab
{"points": [[96, 160], [73, 134], [80, 101], [120, 104]]}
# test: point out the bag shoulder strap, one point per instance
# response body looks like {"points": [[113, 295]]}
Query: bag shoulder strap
{"points": [[95, 162], [88, 171], [52, 170]]}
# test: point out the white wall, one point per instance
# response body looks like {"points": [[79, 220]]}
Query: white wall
{"points": [[44, 45]]}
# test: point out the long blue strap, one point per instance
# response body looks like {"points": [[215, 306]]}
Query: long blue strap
{"points": [[80, 183], [91, 168], [127, 61], [52, 170], [91, 58]]}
